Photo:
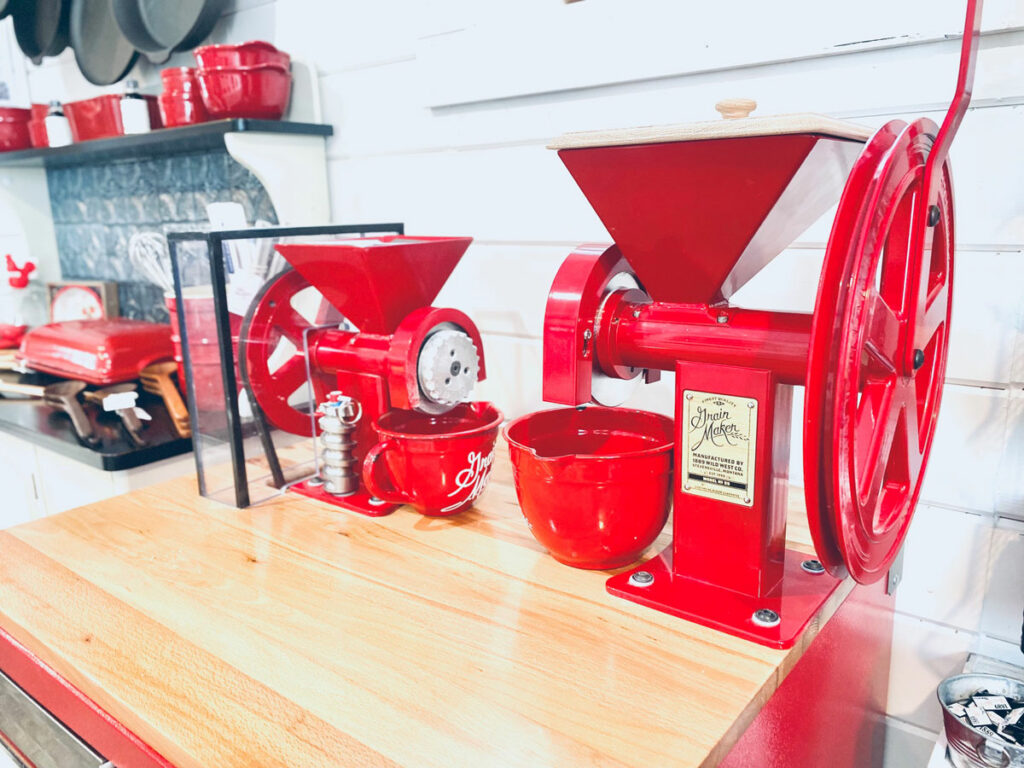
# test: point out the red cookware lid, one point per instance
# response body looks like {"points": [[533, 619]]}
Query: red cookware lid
{"points": [[97, 351]]}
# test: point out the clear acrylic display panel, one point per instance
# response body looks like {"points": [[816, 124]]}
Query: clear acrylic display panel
{"points": [[238, 463]]}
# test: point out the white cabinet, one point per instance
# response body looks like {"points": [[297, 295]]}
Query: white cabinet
{"points": [[66, 483], [20, 493], [37, 482]]}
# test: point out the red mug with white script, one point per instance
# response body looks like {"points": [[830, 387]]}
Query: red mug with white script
{"points": [[438, 463]]}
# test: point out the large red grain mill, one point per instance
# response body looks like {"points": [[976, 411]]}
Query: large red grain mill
{"points": [[695, 212]]}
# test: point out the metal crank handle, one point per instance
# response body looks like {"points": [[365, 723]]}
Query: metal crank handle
{"points": [[961, 100]]}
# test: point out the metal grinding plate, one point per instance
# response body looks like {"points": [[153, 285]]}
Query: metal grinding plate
{"points": [[448, 367]]}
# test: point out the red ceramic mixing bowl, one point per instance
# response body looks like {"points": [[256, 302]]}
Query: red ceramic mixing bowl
{"points": [[14, 132], [241, 55], [259, 92], [594, 483], [438, 464]]}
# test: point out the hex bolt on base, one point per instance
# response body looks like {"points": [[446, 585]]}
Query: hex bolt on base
{"points": [[641, 579], [813, 566], [766, 617]]}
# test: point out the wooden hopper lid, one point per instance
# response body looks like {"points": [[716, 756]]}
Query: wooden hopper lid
{"points": [[731, 128]]}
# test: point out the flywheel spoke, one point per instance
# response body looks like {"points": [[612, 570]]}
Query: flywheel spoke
{"points": [[933, 316], [913, 451], [873, 433], [291, 325], [290, 375], [885, 331]]}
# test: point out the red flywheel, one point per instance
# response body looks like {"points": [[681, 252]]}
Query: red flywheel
{"points": [[878, 353], [272, 357]]}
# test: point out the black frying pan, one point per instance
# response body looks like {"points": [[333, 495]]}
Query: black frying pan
{"points": [[134, 29], [41, 27], [159, 27], [181, 25], [103, 54]]}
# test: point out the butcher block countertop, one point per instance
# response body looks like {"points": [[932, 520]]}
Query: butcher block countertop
{"points": [[297, 634]]}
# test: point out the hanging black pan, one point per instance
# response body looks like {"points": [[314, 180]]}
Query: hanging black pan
{"points": [[103, 54], [158, 27], [134, 29], [41, 27]]}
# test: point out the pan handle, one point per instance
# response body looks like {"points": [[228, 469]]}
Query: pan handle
{"points": [[81, 423], [31, 390]]}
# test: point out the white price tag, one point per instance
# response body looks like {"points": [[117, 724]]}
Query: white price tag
{"points": [[977, 716], [998, 703], [119, 401], [143, 414]]}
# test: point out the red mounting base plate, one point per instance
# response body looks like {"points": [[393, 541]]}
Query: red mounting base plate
{"points": [[360, 501], [801, 596]]}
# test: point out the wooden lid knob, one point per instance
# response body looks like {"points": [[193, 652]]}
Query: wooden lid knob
{"points": [[732, 109]]}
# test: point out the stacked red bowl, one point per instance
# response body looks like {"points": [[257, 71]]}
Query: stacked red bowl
{"points": [[251, 80], [181, 102], [37, 126], [14, 133]]}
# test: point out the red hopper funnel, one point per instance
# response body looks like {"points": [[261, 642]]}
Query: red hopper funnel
{"points": [[376, 282], [697, 210]]}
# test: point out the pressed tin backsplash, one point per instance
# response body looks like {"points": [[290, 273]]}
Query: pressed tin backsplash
{"points": [[97, 208]]}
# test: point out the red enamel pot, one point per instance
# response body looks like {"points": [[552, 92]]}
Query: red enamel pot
{"points": [[594, 483], [14, 131], [181, 102], [37, 126], [15, 115], [241, 55], [100, 117], [201, 328], [14, 136], [259, 92], [439, 464]]}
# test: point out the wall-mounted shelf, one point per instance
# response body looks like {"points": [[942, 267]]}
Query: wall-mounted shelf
{"points": [[289, 159], [166, 141]]}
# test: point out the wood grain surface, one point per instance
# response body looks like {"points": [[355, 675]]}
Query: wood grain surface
{"points": [[296, 634], [716, 129]]}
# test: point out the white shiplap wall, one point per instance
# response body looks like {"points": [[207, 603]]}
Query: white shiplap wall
{"points": [[442, 110]]}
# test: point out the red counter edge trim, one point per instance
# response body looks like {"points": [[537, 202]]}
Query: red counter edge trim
{"points": [[86, 718]]}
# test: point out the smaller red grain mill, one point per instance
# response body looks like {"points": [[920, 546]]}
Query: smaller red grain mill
{"points": [[695, 212], [395, 351]]}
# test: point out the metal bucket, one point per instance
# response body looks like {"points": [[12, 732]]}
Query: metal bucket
{"points": [[969, 747]]}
